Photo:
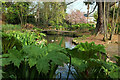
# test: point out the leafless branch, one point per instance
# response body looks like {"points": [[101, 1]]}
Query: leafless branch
{"points": [[93, 9], [71, 2]]}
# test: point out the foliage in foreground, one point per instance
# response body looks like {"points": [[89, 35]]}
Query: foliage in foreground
{"points": [[89, 62], [33, 62]]}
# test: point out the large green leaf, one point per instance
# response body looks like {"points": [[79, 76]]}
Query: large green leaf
{"points": [[5, 61], [55, 47], [87, 50], [15, 57], [32, 62], [79, 64], [43, 65], [57, 57], [39, 58], [32, 50]]}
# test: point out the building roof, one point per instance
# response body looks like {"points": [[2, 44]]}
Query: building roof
{"points": [[90, 15]]}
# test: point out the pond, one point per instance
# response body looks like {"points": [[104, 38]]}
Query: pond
{"points": [[66, 42]]}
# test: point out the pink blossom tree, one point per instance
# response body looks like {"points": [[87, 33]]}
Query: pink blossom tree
{"points": [[76, 17]]}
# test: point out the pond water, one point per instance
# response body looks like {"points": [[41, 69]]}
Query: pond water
{"points": [[67, 41]]}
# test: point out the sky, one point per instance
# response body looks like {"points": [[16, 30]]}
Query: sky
{"points": [[79, 5]]}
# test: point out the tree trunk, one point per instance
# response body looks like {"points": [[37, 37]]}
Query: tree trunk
{"points": [[107, 13], [22, 22], [117, 18], [20, 14], [99, 25], [113, 24], [46, 14], [105, 27], [38, 14], [88, 13]]}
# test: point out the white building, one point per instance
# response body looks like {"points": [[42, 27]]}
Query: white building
{"points": [[91, 18]]}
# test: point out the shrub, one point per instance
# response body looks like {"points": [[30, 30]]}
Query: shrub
{"points": [[118, 60], [82, 27], [28, 37], [6, 27], [9, 42], [89, 64]]}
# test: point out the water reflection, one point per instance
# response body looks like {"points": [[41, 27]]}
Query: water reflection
{"points": [[67, 41]]}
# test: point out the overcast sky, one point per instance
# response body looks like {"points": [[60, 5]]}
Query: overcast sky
{"points": [[79, 5]]}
